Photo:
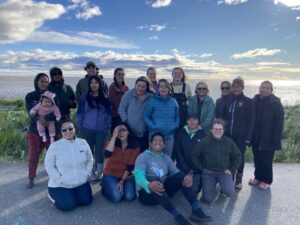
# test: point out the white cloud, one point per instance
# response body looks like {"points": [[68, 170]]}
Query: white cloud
{"points": [[290, 3], [161, 3], [18, 19], [273, 64], [297, 18], [206, 55], [231, 2], [84, 10], [256, 53], [80, 38], [153, 38], [152, 27]]}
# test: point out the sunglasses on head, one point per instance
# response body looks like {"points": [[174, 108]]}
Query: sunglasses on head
{"points": [[67, 129], [201, 88], [225, 88]]}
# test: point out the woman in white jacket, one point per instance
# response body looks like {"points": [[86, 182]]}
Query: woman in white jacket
{"points": [[69, 163]]}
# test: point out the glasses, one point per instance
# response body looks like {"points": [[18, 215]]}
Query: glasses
{"points": [[67, 129], [225, 88], [201, 88]]}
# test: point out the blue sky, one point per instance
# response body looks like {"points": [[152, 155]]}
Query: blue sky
{"points": [[256, 39]]}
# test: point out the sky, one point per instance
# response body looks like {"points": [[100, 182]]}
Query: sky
{"points": [[255, 39]]}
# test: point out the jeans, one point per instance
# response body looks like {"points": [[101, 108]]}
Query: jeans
{"points": [[209, 182], [96, 141], [67, 199], [110, 191], [241, 144], [169, 145]]}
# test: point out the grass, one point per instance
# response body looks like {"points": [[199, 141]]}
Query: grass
{"points": [[14, 122]]}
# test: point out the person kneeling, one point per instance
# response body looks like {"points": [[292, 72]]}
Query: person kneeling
{"points": [[217, 157], [159, 180], [69, 163]]}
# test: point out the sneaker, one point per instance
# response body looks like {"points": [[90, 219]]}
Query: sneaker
{"points": [[199, 216], [239, 181], [263, 186], [30, 184], [50, 198], [181, 220], [254, 182]]}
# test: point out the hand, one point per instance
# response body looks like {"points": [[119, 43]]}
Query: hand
{"points": [[227, 172], [120, 186], [188, 181], [116, 131], [32, 113], [156, 187], [42, 121]]}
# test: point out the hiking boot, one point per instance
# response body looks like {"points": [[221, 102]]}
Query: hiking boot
{"points": [[238, 181], [181, 220], [30, 183], [199, 216]]}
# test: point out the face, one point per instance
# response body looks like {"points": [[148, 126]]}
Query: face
{"points": [[265, 89], [43, 83], [193, 123], [123, 133], [217, 130], [140, 87], [91, 71], [163, 89], [152, 75], [57, 77], [120, 76], [68, 131], [94, 85], [237, 89], [202, 89], [157, 145], [46, 102], [225, 89], [177, 75]]}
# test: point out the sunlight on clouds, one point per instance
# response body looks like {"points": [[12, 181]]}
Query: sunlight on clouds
{"points": [[18, 19], [84, 10], [161, 3], [273, 64], [256, 53], [231, 2], [152, 27], [289, 3]]}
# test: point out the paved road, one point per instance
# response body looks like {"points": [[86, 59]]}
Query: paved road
{"points": [[281, 205]]}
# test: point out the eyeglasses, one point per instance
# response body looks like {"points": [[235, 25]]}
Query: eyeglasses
{"points": [[67, 129], [225, 88], [201, 88]]}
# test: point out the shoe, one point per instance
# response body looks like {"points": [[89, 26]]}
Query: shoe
{"points": [[199, 216], [239, 181], [50, 198], [30, 184], [263, 186], [181, 220], [254, 182]]}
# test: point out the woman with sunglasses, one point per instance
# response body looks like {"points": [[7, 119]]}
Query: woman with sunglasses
{"points": [[69, 163], [202, 105], [94, 120], [224, 100], [118, 181]]}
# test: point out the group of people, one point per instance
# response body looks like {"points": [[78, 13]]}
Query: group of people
{"points": [[162, 138]]}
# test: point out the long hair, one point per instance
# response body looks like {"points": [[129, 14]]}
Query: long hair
{"points": [[115, 73], [101, 99], [146, 80], [183, 73]]}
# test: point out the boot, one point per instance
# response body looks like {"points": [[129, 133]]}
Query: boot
{"points": [[238, 180], [30, 183], [199, 216], [100, 171]]}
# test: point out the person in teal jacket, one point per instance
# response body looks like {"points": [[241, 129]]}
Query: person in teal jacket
{"points": [[202, 105], [161, 114]]}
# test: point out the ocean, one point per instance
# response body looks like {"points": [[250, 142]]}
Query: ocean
{"points": [[287, 90]]}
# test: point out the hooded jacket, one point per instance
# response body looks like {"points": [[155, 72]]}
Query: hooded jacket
{"points": [[68, 163]]}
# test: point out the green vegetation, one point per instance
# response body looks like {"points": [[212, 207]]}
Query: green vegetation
{"points": [[14, 121]]}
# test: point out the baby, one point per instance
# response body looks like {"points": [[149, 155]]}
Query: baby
{"points": [[45, 106]]}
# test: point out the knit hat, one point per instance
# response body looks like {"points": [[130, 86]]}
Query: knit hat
{"points": [[54, 71], [49, 95], [90, 63], [238, 81]]}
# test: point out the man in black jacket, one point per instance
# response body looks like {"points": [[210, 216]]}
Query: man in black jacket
{"points": [[239, 115], [186, 139], [268, 128]]}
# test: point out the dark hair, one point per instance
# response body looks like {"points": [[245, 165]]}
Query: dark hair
{"points": [[218, 121], [65, 121], [267, 82], [115, 73], [157, 134], [150, 68], [183, 73], [225, 82], [101, 99], [54, 71], [37, 78], [165, 81], [132, 143], [146, 80]]}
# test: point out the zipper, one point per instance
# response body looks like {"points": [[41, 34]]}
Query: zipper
{"points": [[73, 157], [232, 117]]}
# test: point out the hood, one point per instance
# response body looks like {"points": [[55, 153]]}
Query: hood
{"points": [[49, 95], [36, 79]]}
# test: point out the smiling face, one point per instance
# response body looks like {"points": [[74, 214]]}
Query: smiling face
{"points": [[193, 123], [217, 130], [120, 74], [68, 131], [237, 89], [177, 75], [43, 83], [140, 88], [151, 74], [265, 89], [94, 85], [163, 89], [225, 88], [201, 89], [91, 70], [46, 102], [157, 144], [123, 133]]}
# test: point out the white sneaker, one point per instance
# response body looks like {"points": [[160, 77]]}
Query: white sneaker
{"points": [[50, 198]]}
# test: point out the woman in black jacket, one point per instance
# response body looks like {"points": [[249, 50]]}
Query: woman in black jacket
{"points": [[266, 139]]}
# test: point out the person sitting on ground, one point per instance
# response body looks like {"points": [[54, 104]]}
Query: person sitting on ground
{"points": [[118, 181], [44, 107], [69, 163], [159, 179], [217, 157]]}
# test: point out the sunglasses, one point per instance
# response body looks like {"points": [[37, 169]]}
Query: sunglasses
{"points": [[201, 88], [225, 88], [67, 129]]}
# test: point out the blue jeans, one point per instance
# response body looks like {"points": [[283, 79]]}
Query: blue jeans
{"points": [[67, 199], [110, 191], [96, 141]]}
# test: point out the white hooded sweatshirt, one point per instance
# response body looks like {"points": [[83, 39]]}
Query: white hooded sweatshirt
{"points": [[68, 163]]}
